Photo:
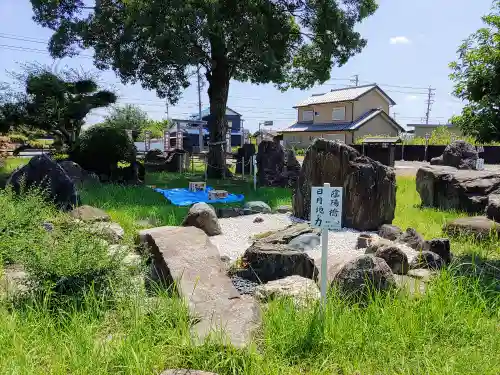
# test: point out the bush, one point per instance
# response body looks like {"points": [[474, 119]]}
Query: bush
{"points": [[60, 256], [101, 148], [18, 138]]}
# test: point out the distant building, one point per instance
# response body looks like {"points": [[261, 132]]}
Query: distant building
{"points": [[343, 114], [234, 122], [421, 129]]}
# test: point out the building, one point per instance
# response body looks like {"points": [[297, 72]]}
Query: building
{"points": [[343, 114], [421, 129], [234, 122]]}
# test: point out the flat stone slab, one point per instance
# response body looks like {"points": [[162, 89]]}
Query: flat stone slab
{"points": [[479, 227], [186, 255]]}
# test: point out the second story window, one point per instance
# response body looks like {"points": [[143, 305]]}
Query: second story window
{"points": [[307, 115], [338, 114]]}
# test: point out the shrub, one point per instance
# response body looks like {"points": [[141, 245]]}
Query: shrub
{"points": [[101, 148], [60, 255], [18, 138]]}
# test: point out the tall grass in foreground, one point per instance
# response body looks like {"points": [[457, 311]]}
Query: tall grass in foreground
{"points": [[453, 329]]}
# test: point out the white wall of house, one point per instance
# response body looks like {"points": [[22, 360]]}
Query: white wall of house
{"points": [[304, 139], [420, 131]]}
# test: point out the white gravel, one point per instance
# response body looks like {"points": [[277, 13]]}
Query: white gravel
{"points": [[237, 236]]}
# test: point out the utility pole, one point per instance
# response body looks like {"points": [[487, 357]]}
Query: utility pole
{"points": [[355, 80], [199, 92], [166, 104], [429, 102], [394, 115]]}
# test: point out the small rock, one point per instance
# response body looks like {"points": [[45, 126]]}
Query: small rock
{"points": [[365, 240], [300, 289], [202, 216], [427, 259], [305, 242], [132, 261], [493, 208], [244, 286], [228, 212], [284, 209], [112, 232], [423, 274], [258, 219], [377, 244], [362, 274], [89, 214], [441, 247], [49, 227], [390, 232], [412, 285], [395, 258], [412, 238], [13, 280], [225, 259], [257, 207]]}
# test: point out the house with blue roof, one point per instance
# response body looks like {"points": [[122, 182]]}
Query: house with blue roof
{"points": [[233, 121], [346, 115]]}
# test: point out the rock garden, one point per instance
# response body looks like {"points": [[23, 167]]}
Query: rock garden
{"points": [[103, 274]]}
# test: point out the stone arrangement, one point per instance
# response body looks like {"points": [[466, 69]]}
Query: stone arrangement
{"points": [[458, 154], [369, 187], [275, 167]]}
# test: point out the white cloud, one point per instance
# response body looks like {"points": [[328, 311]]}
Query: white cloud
{"points": [[411, 97], [399, 40]]}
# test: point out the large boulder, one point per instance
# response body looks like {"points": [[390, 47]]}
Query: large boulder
{"points": [[257, 207], [395, 258], [363, 274], [42, 172], [459, 154], [77, 173], [302, 290], [441, 247], [479, 227], [270, 164], [369, 187], [493, 207], [89, 214], [291, 173], [451, 189], [203, 216]]}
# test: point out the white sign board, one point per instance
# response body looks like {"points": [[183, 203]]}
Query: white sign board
{"points": [[480, 164], [326, 207], [166, 140], [147, 141]]}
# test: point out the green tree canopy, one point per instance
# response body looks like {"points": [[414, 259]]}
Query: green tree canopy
{"points": [[56, 103], [292, 43], [127, 117], [477, 80]]}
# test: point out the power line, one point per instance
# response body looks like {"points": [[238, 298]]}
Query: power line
{"points": [[430, 101]]}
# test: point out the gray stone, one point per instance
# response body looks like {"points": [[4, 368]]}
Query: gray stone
{"points": [[369, 187], [228, 212], [458, 154], [89, 214], [479, 227], [493, 207], [427, 259], [44, 173], [257, 207], [270, 164], [185, 259], [379, 243], [111, 232], [412, 239], [132, 261], [13, 280], [365, 240], [423, 274], [286, 235], [440, 246], [77, 173], [302, 290], [362, 274], [284, 209], [448, 188], [305, 242], [395, 258], [390, 232], [412, 285], [258, 219], [49, 227], [202, 215], [271, 261]]}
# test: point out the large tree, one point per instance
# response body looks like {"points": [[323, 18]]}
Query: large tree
{"points": [[477, 80], [292, 43], [127, 117], [56, 103]]}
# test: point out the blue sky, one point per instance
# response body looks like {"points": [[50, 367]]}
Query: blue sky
{"points": [[410, 44]]}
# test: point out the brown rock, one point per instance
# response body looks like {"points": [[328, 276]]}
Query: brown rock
{"points": [[451, 189], [284, 236], [395, 258], [427, 259], [390, 232], [479, 227], [186, 255], [77, 173], [458, 154], [412, 239], [203, 216], [493, 207], [441, 247], [270, 164], [378, 244], [365, 240], [89, 214], [369, 187]]}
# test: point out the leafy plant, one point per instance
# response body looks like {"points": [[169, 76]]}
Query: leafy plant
{"points": [[101, 148], [162, 43]]}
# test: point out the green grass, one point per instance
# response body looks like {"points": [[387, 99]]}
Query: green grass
{"points": [[453, 329]]}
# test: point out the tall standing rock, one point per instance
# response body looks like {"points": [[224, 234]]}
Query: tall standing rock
{"points": [[369, 187], [270, 164], [44, 173]]}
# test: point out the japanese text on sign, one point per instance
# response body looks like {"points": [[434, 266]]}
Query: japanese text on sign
{"points": [[326, 207]]}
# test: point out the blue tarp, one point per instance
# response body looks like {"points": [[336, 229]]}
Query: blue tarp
{"points": [[184, 197]]}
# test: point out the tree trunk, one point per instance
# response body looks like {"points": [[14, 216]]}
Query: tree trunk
{"points": [[217, 124]]}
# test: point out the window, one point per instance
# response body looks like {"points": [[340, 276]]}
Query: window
{"points": [[307, 115], [229, 124], [338, 113]]}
